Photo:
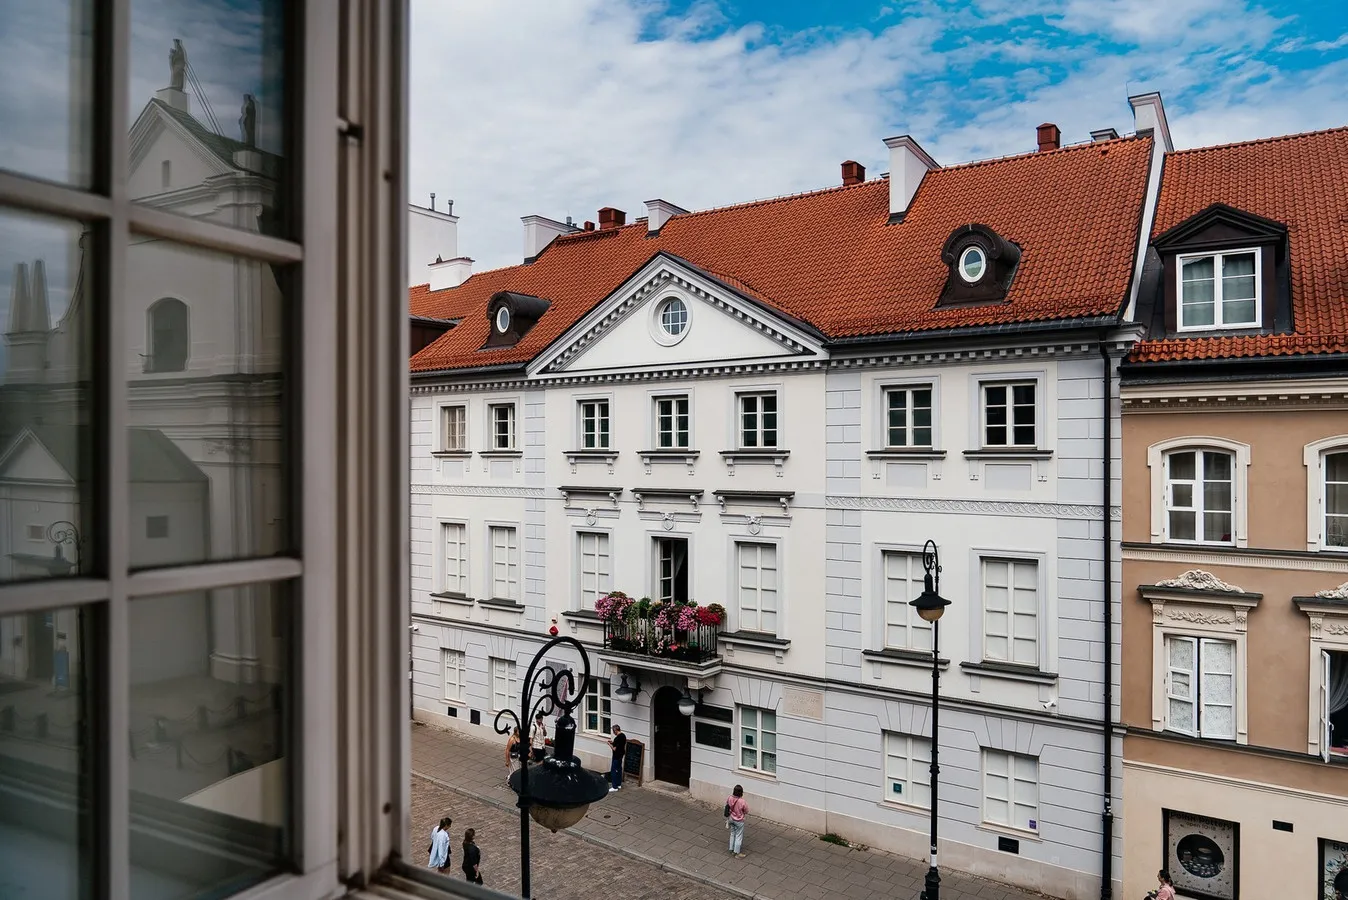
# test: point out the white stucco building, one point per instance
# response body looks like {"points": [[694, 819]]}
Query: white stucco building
{"points": [[772, 407]]}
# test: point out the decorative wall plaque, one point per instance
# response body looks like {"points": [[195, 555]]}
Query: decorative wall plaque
{"points": [[1202, 855], [803, 704]]}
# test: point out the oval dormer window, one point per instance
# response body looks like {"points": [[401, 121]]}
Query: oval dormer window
{"points": [[972, 264], [674, 317], [503, 319]]}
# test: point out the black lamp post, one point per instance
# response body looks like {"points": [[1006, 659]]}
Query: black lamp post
{"points": [[60, 533], [557, 792], [929, 606]]}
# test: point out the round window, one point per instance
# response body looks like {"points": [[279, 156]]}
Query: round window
{"points": [[972, 263], [674, 317], [502, 319]]}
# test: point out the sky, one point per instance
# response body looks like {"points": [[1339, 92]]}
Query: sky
{"points": [[540, 107]]}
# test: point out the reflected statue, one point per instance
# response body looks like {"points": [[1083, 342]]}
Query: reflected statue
{"points": [[177, 65], [248, 121]]}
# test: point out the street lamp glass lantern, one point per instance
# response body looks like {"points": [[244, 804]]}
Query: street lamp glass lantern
{"points": [[560, 788], [929, 604]]}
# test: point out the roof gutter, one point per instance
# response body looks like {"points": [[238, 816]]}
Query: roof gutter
{"points": [[976, 331], [467, 370], [1234, 368]]}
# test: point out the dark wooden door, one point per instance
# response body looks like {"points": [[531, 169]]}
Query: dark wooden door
{"points": [[41, 639], [673, 738]]}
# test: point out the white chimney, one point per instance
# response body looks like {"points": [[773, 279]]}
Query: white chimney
{"points": [[539, 231], [1149, 115], [658, 212], [450, 272], [431, 236], [908, 164]]}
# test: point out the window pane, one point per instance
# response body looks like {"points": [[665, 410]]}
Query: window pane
{"points": [[1197, 293], [47, 273], [207, 92], [207, 453], [48, 660], [46, 50], [1217, 466], [1182, 525], [1182, 465], [209, 705]]}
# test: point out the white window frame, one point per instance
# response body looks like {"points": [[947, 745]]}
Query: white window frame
{"points": [[991, 756], [503, 683], [654, 578], [1313, 456], [904, 763], [582, 419], [454, 573], [1197, 492], [599, 703], [512, 408], [1202, 649], [1217, 323], [445, 443], [757, 620], [1012, 560], [603, 576], [883, 421], [511, 563], [742, 730], [675, 396], [1156, 464], [758, 396], [452, 664], [1010, 382], [893, 605], [1328, 631]]}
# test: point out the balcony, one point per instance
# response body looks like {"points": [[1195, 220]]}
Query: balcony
{"points": [[642, 644]]}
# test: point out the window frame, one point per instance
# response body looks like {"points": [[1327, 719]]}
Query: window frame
{"points": [[1313, 457], [1217, 256], [1042, 612], [1197, 487], [1156, 465], [1010, 382], [1197, 674], [443, 442], [578, 557], [459, 658], [655, 577], [913, 620], [512, 407], [1327, 630], [464, 570], [759, 430], [600, 691], [910, 762], [738, 544], [674, 397], [582, 432], [883, 425], [512, 563], [504, 669], [759, 730], [1032, 824]]}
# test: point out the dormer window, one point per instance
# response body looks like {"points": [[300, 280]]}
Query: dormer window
{"points": [[982, 264], [1219, 290], [503, 319], [511, 316], [972, 264]]}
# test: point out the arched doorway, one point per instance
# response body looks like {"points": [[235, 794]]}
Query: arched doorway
{"points": [[673, 738]]}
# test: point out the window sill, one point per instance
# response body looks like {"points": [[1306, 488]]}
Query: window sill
{"points": [[763, 457], [601, 456], [500, 454], [1008, 453], [451, 454], [900, 806], [1008, 831], [669, 456], [906, 453], [453, 597], [501, 603], [754, 640], [1010, 672], [755, 773], [917, 659]]}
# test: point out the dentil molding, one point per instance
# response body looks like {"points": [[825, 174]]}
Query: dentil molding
{"points": [[477, 490], [975, 507]]}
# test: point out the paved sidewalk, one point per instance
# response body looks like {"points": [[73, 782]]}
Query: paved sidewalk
{"points": [[688, 838]]}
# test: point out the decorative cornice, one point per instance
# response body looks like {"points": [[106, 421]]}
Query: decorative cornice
{"points": [[1250, 559], [974, 507], [477, 490], [1338, 593], [1198, 580]]}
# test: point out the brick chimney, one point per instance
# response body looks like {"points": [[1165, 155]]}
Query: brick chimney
{"points": [[853, 172], [611, 218], [1049, 137]]}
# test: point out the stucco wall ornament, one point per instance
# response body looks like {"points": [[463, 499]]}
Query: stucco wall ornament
{"points": [[1198, 580], [1200, 618], [667, 520], [1338, 593]]}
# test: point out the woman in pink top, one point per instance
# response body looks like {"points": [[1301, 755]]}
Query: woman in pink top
{"points": [[736, 809], [1167, 889]]}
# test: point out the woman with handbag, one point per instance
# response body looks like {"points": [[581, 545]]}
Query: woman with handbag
{"points": [[735, 811]]}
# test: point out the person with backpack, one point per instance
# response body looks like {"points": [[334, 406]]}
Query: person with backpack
{"points": [[735, 811]]}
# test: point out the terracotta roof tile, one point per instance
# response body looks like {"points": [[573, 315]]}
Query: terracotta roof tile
{"points": [[830, 259], [1301, 181]]}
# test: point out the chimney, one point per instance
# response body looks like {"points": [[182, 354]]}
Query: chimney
{"points": [[539, 231], [450, 273], [589, 226], [432, 235], [1050, 137], [1149, 117], [1104, 134], [658, 212], [611, 218], [853, 172], [908, 165]]}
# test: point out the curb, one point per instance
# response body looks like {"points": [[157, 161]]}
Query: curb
{"points": [[600, 842]]}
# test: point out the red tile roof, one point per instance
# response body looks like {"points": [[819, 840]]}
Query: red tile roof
{"points": [[1301, 181], [830, 259]]}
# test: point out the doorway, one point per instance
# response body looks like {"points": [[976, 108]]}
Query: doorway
{"points": [[673, 738]]}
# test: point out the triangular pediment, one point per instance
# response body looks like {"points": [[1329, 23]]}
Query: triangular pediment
{"points": [[160, 135], [29, 460], [722, 324], [1220, 225]]}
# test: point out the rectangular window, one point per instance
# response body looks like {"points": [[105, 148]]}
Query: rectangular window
{"points": [[453, 660], [1200, 687], [504, 692], [453, 428], [904, 628], [502, 426], [671, 423], [456, 558], [671, 569], [594, 567], [1219, 290], [1011, 611], [757, 586], [1011, 790], [758, 739], [1336, 499], [594, 424], [907, 769], [1333, 703], [1198, 496], [908, 417], [505, 564], [758, 421], [598, 707], [1009, 413], [708, 729]]}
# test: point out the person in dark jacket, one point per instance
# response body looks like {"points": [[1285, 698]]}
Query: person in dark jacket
{"points": [[1341, 883], [472, 858]]}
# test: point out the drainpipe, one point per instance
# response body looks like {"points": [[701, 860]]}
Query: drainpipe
{"points": [[1107, 716]]}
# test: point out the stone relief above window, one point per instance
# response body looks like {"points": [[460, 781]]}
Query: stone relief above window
{"points": [[982, 264]]}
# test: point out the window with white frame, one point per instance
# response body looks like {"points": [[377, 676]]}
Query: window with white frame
{"points": [[453, 669], [453, 429], [903, 582], [758, 420], [758, 739], [1011, 611], [593, 566], [502, 416], [1333, 703], [1200, 687], [455, 535], [598, 717], [504, 690], [908, 417], [671, 422], [505, 563], [1335, 502], [1219, 290], [1011, 790], [671, 569], [1010, 412], [907, 769], [594, 428], [1199, 496], [757, 586]]}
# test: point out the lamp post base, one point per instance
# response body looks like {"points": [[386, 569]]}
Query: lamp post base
{"points": [[932, 888]]}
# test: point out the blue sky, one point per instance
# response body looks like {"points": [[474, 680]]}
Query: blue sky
{"points": [[558, 109]]}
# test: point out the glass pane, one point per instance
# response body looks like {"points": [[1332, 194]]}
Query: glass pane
{"points": [[1180, 715], [770, 763], [1217, 495], [1217, 466], [1182, 465], [48, 661], [207, 107], [210, 700], [1181, 654], [1182, 495], [1217, 526], [209, 478], [46, 83], [748, 758], [47, 273], [1183, 525]]}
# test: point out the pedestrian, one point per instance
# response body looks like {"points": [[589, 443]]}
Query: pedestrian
{"points": [[619, 746], [513, 753], [735, 811], [538, 738], [439, 849], [472, 858], [1166, 887]]}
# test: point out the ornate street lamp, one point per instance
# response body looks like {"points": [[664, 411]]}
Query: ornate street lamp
{"points": [[930, 605], [626, 692], [60, 533], [557, 792]]}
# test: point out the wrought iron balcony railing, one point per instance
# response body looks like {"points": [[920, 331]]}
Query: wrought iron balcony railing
{"points": [[696, 645]]}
